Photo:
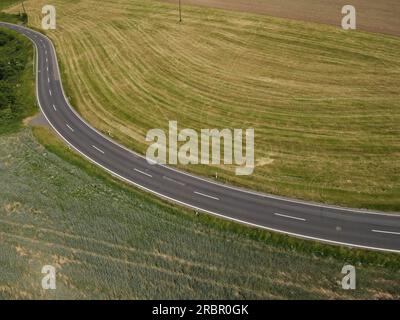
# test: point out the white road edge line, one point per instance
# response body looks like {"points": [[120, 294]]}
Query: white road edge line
{"points": [[140, 171], [69, 127], [187, 204], [290, 217], [206, 195], [99, 150], [389, 232]]}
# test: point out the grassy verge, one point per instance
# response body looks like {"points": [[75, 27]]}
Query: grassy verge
{"points": [[11, 18], [323, 102]]}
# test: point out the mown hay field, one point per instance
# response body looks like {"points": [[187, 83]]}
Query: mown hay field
{"points": [[17, 100], [324, 102]]}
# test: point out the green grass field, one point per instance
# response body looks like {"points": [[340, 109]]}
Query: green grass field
{"points": [[4, 4], [324, 102], [7, 3], [16, 80], [108, 240]]}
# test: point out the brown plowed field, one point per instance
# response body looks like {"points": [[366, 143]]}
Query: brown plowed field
{"points": [[376, 16]]}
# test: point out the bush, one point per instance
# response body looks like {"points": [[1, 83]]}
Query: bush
{"points": [[14, 57]]}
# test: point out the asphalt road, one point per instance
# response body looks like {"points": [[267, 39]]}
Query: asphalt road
{"points": [[335, 225]]}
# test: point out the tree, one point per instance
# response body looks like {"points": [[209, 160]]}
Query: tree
{"points": [[180, 12]]}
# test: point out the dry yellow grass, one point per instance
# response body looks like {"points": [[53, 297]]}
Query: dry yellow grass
{"points": [[324, 103]]}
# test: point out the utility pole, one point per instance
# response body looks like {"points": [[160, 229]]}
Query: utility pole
{"points": [[180, 12], [23, 16], [23, 7]]}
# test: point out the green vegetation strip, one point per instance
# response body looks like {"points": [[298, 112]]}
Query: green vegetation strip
{"points": [[16, 80]]}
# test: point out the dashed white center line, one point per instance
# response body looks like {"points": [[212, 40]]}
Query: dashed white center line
{"points": [[99, 150], [388, 232], [48, 80], [173, 180], [140, 171], [50, 92], [69, 127], [47, 68], [205, 195], [47, 60], [54, 107], [290, 217]]}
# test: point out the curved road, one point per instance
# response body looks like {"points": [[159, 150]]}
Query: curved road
{"points": [[335, 225]]}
